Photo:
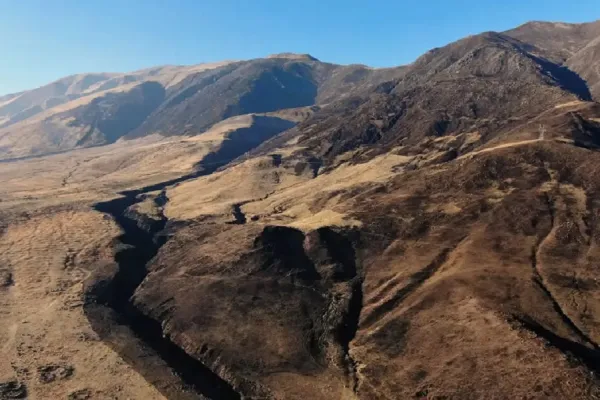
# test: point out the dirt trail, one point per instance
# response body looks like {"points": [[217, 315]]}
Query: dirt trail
{"points": [[500, 146]]}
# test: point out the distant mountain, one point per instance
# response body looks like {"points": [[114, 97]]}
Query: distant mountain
{"points": [[481, 75], [572, 45], [50, 95], [257, 86], [75, 86], [96, 109], [557, 40]]}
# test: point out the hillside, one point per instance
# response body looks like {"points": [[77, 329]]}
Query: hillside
{"points": [[285, 228]]}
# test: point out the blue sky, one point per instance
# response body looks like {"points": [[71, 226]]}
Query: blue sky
{"points": [[43, 40]]}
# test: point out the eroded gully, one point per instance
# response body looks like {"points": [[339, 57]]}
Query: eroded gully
{"points": [[135, 247]]}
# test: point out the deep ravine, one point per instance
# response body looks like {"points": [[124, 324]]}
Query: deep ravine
{"points": [[585, 349], [238, 214], [134, 250], [538, 279], [348, 330]]}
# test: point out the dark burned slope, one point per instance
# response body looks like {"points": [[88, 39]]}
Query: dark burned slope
{"points": [[435, 293], [482, 248], [138, 338], [486, 84], [113, 292], [470, 273]]}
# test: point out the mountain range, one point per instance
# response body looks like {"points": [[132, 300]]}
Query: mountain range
{"points": [[286, 228], [95, 109], [100, 108]]}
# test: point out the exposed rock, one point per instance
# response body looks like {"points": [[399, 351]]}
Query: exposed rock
{"points": [[52, 373], [13, 390], [6, 279]]}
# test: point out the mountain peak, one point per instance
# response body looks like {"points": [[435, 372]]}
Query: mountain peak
{"points": [[294, 56]]}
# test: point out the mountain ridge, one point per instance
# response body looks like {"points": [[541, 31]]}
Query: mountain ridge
{"points": [[198, 96], [214, 91]]}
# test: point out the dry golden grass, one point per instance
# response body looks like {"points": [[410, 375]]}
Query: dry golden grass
{"points": [[148, 206], [570, 104], [298, 205], [93, 174], [217, 193], [498, 147], [44, 330], [51, 240], [278, 195]]}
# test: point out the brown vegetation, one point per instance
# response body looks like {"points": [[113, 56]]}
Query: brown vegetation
{"points": [[430, 237]]}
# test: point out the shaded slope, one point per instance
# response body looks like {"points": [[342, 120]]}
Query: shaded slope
{"points": [[257, 86], [103, 120], [113, 116], [573, 45], [241, 140], [57, 92], [73, 87], [68, 113], [585, 62]]}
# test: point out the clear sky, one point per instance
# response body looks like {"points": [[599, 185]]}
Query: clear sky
{"points": [[43, 40]]}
